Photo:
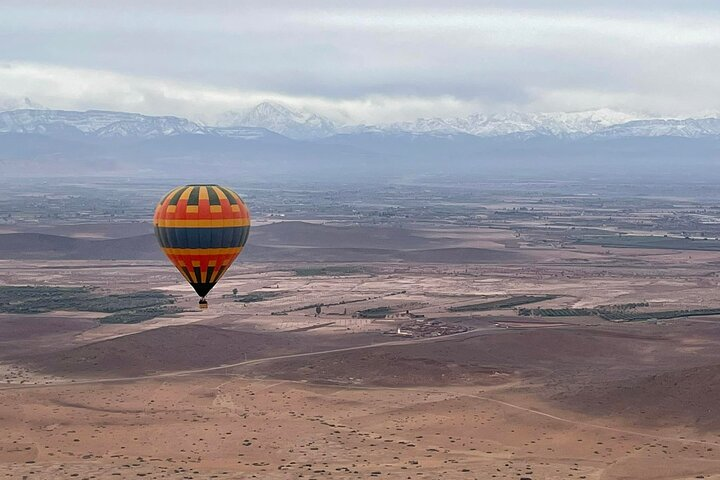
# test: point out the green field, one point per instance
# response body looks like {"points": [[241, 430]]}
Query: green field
{"points": [[123, 308], [500, 304], [617, 314], [662, 315], [559, 312], [650, 241], [253, 297], [377, 312]]}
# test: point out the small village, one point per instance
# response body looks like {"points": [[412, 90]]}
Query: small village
{"points": [[420, 327]]}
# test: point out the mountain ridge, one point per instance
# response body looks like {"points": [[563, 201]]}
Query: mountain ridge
{"points": [[56, 142], [268, 119], [280, 119]]}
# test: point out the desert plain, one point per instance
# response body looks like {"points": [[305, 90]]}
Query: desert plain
{"points": [[504, 349]]}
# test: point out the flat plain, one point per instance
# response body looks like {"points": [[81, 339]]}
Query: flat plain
{"points": [[512, 346]]}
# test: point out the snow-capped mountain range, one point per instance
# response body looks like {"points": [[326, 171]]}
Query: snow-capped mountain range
{"points": [[105, 124], [553, 124], [268, 119], [281, 119]]}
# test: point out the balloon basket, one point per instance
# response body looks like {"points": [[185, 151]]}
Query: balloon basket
{"points": [[203, 304]]}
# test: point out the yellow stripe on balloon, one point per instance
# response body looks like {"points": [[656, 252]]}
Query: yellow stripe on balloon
{"points": [[184, 274], [215, 276], [190, 275], [207, 223], [168, 196], [237, 197], [203, 195], [221, 195], [202, 251], [186, 194]]}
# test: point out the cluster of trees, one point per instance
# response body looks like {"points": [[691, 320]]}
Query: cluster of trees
{"points": [[123, 308], [500, 304]]}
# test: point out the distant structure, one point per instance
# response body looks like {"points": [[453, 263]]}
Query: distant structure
{"points": [[403, 334], [430, 328]]}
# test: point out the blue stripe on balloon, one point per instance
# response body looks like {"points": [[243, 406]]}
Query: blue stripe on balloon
{"points": [[222, 237]]}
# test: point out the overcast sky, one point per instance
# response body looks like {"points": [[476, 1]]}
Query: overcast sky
{"points": [[369, 63]]}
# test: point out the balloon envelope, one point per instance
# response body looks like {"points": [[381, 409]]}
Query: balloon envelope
{"points": [[202, 229]]}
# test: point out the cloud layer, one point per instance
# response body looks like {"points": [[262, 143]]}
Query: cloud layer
{"points": [[372, 64]]}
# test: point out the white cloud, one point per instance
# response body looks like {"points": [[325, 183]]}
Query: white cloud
{"points": [[81, 89], [527, 27], [362, 64]]}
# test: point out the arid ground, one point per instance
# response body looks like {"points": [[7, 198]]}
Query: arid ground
{"points": [[420, 364]]}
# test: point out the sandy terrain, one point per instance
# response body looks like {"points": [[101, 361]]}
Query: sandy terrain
{"points": [[224, 426], [267, 389]]}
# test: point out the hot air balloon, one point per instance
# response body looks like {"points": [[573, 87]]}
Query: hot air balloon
{"points": [[202, 229]]}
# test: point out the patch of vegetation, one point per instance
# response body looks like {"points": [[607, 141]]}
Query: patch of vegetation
{"points": [[27, 299], [649, 241], [124, 308], [256, 297], [663, 315], [618, 313], [559, 312], [376, 312], [500, 304], [328, 271], [127, 301], [341, 302], [623, 306], [617, 309], [137, 316]]}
